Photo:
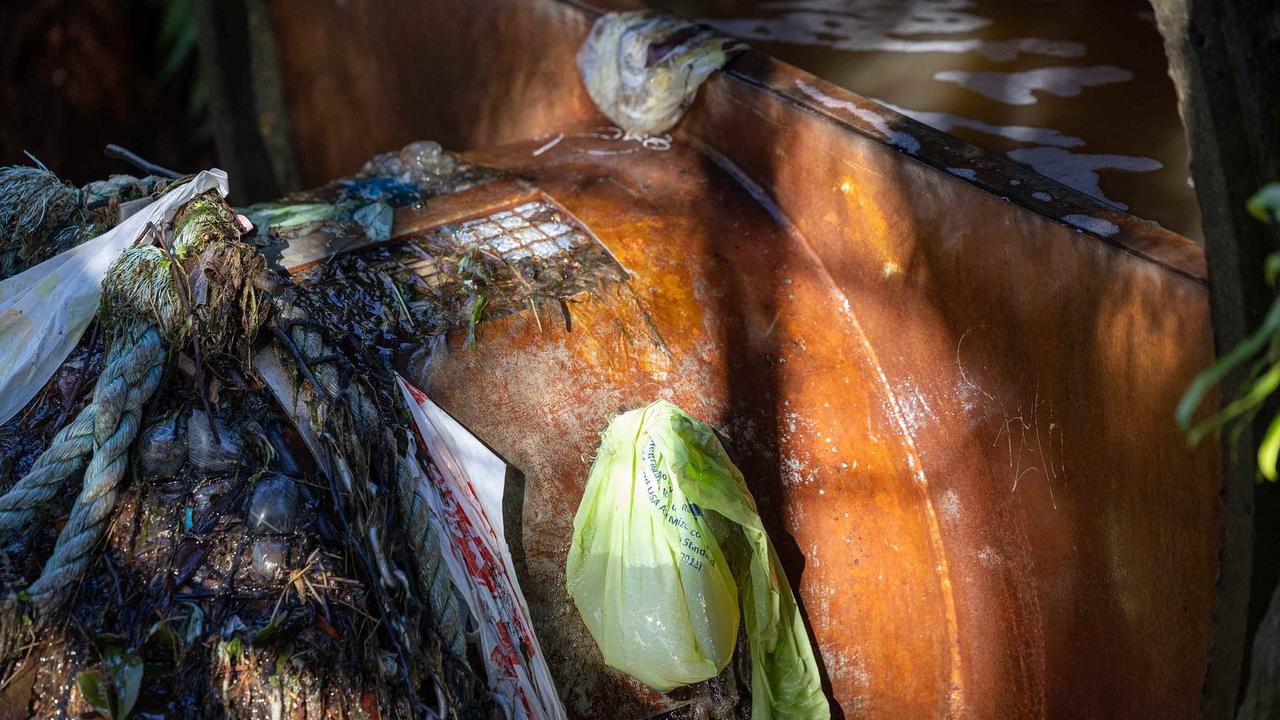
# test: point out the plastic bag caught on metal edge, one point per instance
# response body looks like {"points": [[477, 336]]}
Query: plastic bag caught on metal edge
{"points": [[643, 69], [666, 540], [45, 309], [465, 498]]}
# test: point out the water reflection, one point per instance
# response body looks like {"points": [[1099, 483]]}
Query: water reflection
{"points": [[1075, 89]]}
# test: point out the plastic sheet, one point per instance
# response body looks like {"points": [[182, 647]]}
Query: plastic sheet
{"points": [[466, 501], [45, 309]]}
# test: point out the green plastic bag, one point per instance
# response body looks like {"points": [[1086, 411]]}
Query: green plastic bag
{"points": [[665, 543]]}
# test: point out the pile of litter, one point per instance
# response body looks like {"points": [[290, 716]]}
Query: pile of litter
{"points": [[253, 483], [220, 495]]}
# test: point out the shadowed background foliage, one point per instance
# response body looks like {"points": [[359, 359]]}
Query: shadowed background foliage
{"points": [[76, 75]]}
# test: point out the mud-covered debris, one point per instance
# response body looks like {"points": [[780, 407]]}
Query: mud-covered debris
{"points": [[274, 506], [162, 448], [209, 453]]}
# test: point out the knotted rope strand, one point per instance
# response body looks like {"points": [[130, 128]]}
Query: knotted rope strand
{"points": [[67, 453], [118, 397], [434, 582], [144, 313]]}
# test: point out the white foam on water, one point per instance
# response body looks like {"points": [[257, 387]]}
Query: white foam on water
{"points": [[886, 26], [966, 173], [1080, 170], [1042, 196], [1019, 88], [898, 139], [947, 122], [1098, 226]]}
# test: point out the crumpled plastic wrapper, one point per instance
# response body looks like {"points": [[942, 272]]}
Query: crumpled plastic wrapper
{"points": [[643, 69]]}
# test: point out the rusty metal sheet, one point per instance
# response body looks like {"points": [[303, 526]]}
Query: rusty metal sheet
{"points": [[952, 402], [978, 496], [1036, 370]]}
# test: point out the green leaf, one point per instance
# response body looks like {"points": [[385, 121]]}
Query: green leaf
{"points": [[179, 53], [1269, 450], [477, 311], [471, 269], [195, 625], [91, 687], [161, 650], [177, 13], [263, 637], [176, 37], [1205, 381], [376, 219], [282, 659], [1271, 268], [1253, 395], [1265, 204], [198, 101], [281, 216], [126, 675]]}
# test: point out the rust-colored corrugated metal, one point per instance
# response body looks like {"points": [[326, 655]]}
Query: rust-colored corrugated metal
{"points": [[953, 406]]}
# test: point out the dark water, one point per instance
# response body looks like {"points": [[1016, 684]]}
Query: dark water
{"points": [[1076, 89]]}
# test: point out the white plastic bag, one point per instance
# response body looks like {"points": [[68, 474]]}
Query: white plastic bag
{"points": [[45, 309]]}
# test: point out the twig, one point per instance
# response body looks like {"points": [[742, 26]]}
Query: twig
{"points": [[303, 366], [119, 153], [400, 299], [515, 272]]}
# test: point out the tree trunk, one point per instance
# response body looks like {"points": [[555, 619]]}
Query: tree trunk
{"points": [[1223, 61], [246, 99]]}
